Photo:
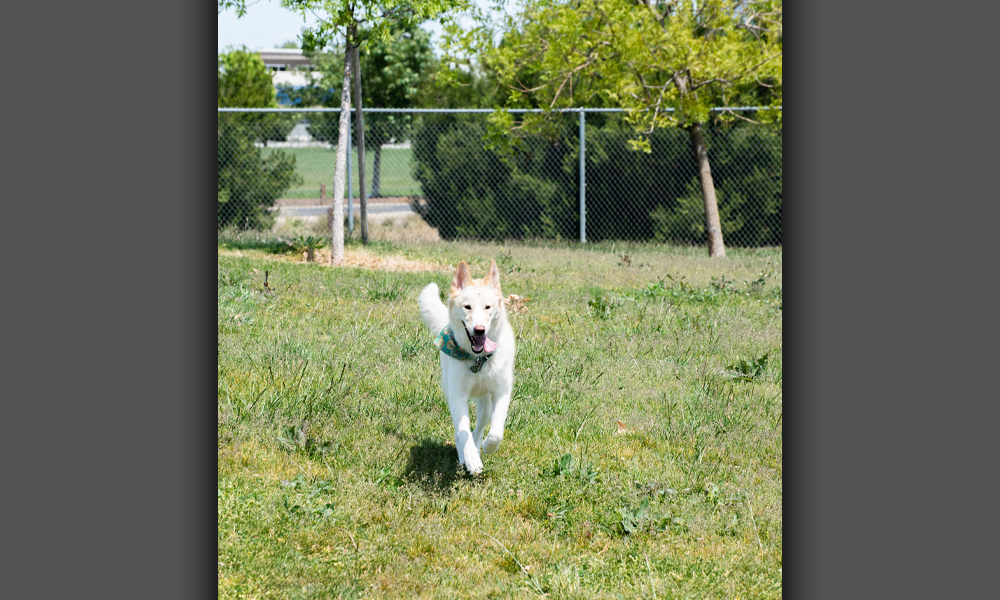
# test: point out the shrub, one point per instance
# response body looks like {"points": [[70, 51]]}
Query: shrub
{"points": [[476, 192], [478, 188], [746, 160], [248, 180]]}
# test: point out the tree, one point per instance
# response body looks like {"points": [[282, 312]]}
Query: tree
{"points": [[449, 87], [248, 181], [244, 81], [393, 72], [346, 18], [668, 62]]}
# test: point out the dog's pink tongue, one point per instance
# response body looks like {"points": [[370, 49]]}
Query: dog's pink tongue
{"points": [[489, 346]]}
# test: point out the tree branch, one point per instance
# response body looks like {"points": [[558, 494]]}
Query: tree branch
{"points": [[752, 29], [739, 116], [525, 90], [569, 76], [761, 63], [761, 83], [708, 81], [321, 20]]}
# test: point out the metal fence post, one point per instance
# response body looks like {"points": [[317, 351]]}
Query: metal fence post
{"points": [[583, 182], [350, 194]]}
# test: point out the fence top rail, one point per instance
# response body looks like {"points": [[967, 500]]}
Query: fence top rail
{"points": [[470, 110]]}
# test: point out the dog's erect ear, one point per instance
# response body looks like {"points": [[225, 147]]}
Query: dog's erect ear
{"points": [[493, 277], [462, 276]]}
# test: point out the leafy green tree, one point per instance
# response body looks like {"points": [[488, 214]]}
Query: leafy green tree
{"points": [[248, 181], [344, 18], [356, 21], [447, 86], [393, 71], [244, 81], [668, 62]]}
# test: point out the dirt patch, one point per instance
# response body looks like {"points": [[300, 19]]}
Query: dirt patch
{"points": [[357, 258]]}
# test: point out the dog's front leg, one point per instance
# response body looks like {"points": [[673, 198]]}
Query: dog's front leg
{"points": [[497, 422], [484, 408], [458, 405]]}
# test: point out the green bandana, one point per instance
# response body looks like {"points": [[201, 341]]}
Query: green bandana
{"points": [[446, 343]]}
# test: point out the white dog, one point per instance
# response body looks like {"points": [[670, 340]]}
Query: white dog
{"points": [[477, 358]]}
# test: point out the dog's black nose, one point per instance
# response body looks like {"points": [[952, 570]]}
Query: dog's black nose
{"points": [[479, 330]]}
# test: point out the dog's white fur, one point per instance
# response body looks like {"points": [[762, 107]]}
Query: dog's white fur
{"points": [[472, 303]]}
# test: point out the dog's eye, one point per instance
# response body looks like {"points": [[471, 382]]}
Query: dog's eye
{"points": [[487, 308], [468, 307]]}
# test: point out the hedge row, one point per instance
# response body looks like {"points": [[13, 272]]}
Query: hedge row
{"points": [[477, 192]]}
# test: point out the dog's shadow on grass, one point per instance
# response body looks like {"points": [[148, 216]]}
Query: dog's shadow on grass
{"points": [[434, 466]]}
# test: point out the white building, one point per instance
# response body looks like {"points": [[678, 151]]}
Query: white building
{"points": [[287, 66]]}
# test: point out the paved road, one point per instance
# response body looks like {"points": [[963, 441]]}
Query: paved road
{"points": [[374, 210]]}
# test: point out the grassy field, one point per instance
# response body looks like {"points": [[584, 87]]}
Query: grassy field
{"points": [[642, 456], [315, 166]]}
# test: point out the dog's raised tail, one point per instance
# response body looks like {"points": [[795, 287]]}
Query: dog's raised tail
{"points": [[433, 312]]}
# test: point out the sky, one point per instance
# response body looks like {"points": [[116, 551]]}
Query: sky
{"points": [[267, 25]]}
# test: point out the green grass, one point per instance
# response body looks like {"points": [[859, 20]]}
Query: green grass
{"points": [[316, 165], [337, 473]]}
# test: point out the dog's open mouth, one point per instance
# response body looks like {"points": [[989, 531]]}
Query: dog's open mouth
{"points": [[481, 343]]}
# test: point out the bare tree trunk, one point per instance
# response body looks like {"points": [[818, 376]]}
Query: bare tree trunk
{"points": [[377, 172], [340, 169], [713, 228], [361, 138]]}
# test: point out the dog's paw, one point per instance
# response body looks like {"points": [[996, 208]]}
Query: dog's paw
{"points": [[491, 444], [473, 465]]}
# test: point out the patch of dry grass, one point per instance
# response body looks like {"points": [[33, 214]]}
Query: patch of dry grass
{"points": [[353, 257]]}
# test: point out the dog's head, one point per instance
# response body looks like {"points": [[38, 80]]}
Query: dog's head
{"points": [[476, 306]]}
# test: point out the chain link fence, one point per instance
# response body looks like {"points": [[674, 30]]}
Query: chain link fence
{"points": [[446, 171]]}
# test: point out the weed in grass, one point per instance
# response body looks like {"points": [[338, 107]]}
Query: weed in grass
{"points": [[563, 465], [296, 439], [387, 477], [603, 304], [723, 283], [566, 466], [748, 371], [505, 262], [411, 348], [634, 518], [309, 244], [385, 286], [308, 498], [758, 284]]}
